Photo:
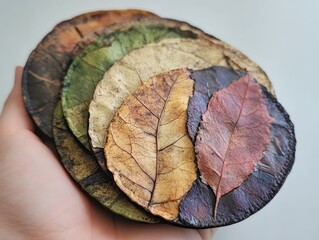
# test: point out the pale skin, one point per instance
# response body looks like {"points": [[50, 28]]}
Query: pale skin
{"points": [[38, 200]]}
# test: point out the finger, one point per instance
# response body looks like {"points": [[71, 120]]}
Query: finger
{"points": [[207, 233], [14, 116]]}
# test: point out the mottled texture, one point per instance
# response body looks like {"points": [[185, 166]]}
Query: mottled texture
{"points": [[196, 208], [148, 149], [85, 171], [258, 189], [233, 133], [89, 67]]}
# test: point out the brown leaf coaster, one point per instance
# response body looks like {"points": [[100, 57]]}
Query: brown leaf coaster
{"points": [[148, 150], [244, 147], [44, 70]]}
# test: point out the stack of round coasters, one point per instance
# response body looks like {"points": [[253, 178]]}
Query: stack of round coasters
{"points": [[157, 120]]}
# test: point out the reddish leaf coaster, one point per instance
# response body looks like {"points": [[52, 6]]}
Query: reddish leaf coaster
{"points": [[244, 149], [233, 134]]}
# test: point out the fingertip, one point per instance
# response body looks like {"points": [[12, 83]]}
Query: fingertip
{"points": [[207, 233], [18, 75]]}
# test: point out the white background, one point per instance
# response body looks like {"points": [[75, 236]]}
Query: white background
{"points": [[282, 36]]}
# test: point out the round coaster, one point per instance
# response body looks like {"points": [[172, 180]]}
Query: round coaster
{"points": [[44, 70], [232, 165]]}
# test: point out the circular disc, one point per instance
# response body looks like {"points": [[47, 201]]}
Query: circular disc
{"points": [[44, 70], [233, 165], [85, 171]]}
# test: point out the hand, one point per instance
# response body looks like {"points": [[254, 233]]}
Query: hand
{"points": [[38, 200]]}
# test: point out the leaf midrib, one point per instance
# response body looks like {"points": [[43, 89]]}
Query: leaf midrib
{"points": [[157, 140], [224, 159]]}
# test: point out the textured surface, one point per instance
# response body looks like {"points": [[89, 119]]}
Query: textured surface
{"points": [[89, 67], [85, 171], [148, 150], [45, 67]]}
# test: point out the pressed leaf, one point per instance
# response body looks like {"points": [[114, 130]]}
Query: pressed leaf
{"points": [[148, 148], [44, 70], [233, 134], [85, 171], [89, 67]]}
